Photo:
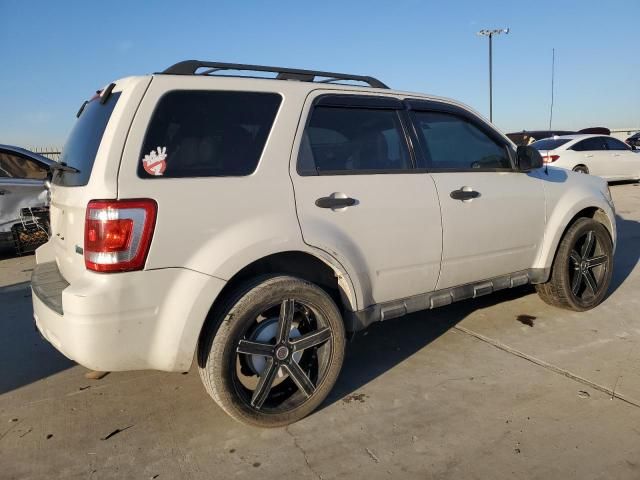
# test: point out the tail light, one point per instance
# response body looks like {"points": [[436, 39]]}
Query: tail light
{"points": [[550, 158], [117, 234]]}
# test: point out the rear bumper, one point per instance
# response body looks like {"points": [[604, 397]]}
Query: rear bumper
{"points": [[124, 321]]}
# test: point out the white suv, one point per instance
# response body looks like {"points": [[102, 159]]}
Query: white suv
{"points": [[256, 222]]}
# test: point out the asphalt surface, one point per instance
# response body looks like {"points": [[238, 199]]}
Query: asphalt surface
{"points": [[500, 387]]}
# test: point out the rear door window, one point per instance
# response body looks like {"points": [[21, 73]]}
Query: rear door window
{"points": [[207, 134], [82, 145], [354, 140], [590, 145], [614, 144]]}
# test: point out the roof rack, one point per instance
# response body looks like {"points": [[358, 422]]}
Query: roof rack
{"points": [[190, 67]]}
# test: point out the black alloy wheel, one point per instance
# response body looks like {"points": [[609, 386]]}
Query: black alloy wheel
{"points": [[272, 353]]}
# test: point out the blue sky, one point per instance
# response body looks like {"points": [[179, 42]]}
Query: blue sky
{"points": [[56, 53]]}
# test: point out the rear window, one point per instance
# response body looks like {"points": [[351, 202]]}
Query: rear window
{"points": [[207, 134], [549, 143], [82, 145]]}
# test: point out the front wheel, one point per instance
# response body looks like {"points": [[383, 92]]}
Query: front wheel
{"points": [[582, 269], [276, 353]]}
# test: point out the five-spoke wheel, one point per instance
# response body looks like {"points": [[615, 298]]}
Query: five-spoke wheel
{"points": [[582, 269], [276, 354]]}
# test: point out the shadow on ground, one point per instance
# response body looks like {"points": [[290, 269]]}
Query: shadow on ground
{"points": [[627, 251], [24, 355], [386, 344]]}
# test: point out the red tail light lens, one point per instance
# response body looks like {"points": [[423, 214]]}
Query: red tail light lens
{"points": [[550, 158], [117, 234]]}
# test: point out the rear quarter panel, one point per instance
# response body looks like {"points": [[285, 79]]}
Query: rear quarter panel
{"points": [[217, 225]]}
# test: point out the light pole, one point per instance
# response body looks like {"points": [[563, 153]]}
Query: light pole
{"points": [[490, 34]]}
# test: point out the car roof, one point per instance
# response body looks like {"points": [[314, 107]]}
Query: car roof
{"points": [[574, 137], [28, 153]]}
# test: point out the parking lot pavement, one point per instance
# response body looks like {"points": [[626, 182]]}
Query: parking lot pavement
{"points": [[500, 387]]}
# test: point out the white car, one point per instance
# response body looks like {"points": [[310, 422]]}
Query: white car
{"points": [[254, 222], [600, 155]]}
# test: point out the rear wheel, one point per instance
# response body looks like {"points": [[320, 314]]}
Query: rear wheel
{"points": [[581, 169], [276, 354], [582, 269]]}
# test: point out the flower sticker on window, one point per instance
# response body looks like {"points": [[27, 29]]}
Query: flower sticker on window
{"points": [[155, 163]]}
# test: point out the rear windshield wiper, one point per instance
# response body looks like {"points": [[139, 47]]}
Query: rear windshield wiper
{"points": [[63, 167]]}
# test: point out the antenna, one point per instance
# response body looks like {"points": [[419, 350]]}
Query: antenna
{"points": [[553, 67]]}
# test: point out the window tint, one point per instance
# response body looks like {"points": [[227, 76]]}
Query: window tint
{"points": [[208, 133], [453, 143], [590, 144], [549, 143], [15, 166], [82, 145], [353, 139], [614, 144]]}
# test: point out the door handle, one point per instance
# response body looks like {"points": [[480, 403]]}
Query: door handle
{"points": [[465, 193], [589, 156], [335, 202], [2, 192]]}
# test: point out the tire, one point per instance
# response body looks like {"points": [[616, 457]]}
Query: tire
{"points": [[582, 268], [581, 169], [252, 348]]}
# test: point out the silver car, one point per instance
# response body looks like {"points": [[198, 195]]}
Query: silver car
{"points": [[23, 197]]}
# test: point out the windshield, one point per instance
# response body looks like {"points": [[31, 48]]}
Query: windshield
{"points": [[549, 143], [82, 145]]}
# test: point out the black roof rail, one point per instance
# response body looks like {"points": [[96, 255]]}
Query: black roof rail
{"points": [[190, 67]]}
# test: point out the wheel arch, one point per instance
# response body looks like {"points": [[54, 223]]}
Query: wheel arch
{"points": [[600, 213], [314, 268]]}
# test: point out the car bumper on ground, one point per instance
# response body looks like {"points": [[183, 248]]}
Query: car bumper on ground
{"points": [[124, 321]]}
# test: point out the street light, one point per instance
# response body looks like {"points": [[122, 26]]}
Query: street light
{"points": [[490, 34]]}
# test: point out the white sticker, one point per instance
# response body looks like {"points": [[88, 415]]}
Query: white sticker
{"points": [[155, 163]]}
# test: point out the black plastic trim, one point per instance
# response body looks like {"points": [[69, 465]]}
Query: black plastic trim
{"points": [[361, 319], [358, 101], [104, 96], [47, 283]]}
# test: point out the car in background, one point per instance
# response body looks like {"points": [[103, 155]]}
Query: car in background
{"points": [[600, 155], [527, 137], [634, 141], [24, 198]]}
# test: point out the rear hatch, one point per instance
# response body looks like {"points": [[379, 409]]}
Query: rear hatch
{"points": [[93, 151]]}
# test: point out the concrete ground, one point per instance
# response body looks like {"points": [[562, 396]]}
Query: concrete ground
{"points": [[501, 387]]}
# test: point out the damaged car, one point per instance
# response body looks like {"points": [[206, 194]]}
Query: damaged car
{"points": [[24, 198]]}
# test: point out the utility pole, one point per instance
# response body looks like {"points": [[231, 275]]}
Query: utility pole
{"points": [[490, 34]]}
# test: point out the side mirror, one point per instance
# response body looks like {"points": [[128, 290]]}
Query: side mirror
{"points": [[528, 158]]}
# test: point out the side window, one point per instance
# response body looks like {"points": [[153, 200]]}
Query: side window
{"points": [[454, 143], [351, 139], [590, 145], [207, 133], [614, 144], [15, 166]]}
